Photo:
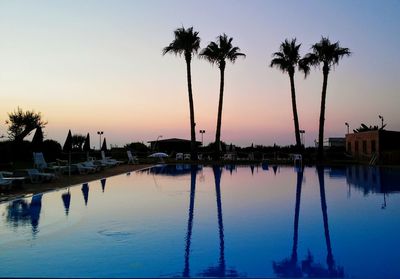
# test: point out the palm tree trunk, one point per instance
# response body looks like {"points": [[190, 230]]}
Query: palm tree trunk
{"points": [[219, 118], [193, 145], [320, 154], [295, 116]]}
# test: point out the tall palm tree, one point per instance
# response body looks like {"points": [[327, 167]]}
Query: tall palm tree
{"points": [[286, 60], [187, 42], [217, 53], [328, 54]]}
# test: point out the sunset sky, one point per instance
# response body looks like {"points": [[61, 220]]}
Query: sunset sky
{"points": [[97, 65]]}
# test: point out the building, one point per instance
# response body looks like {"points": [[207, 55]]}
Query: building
{"points": [[334, 142], [365, 145], [172, 145]]}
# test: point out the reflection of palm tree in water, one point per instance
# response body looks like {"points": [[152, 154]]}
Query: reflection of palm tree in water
{"points": [[317, 270], [213, 271], [289, 267], [186, 271]]}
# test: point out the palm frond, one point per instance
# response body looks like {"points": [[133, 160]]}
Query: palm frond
{"points": [[288, 57], [186, 41], [217, 52], [327, 53]]}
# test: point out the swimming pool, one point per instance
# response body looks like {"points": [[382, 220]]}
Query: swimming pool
{"points": [[173, 221]]}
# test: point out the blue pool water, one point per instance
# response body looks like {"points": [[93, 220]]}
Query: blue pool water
{"points": [[178, 221]]}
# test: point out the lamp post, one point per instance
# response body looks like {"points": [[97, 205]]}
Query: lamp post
{"points": [[100, 133], [347, 124], [302, 132], [202, 133], [381, 118], [155, 145]]}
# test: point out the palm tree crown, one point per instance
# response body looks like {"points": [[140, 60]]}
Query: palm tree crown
{"points": [[186, 42], [326, 53], [218, 52], [288, 58]]}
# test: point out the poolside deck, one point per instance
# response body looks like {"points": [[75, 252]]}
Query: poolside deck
{"points": [[65, 181]]}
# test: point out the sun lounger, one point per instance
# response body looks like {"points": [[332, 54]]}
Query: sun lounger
{"points": [[131, 159], [40, 163], [7, 180], [179, 156], [35, 176], [91, 164], [82, 169], [108, 160]]}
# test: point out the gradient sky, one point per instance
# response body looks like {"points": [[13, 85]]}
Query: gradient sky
{"points": [[97, 65]]}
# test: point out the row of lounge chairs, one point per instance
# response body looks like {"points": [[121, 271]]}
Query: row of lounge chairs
{"points": [[46, 172]]}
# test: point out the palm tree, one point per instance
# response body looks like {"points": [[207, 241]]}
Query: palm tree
{"points": [[187, 42], [327, 54], [217, 53], [286, 60]]}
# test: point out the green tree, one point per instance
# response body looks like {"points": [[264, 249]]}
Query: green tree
{"points": [[22, 123], [328, 54], [217, 53], [286, 60], [187, 42]]}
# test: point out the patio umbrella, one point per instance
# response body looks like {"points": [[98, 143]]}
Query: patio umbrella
{"points": [[86, 145], [103, 184], [104, 145], [68, 148], [158, 155], [37, 140], [66, 197], [85, 191]]}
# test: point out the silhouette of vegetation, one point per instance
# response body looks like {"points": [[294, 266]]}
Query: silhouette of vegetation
{"points": [[328, 54], [77, 142], [22, 123], [286, 60], [138, 147], [187, 43], [51, 149], [217, 53], [365, 128]]}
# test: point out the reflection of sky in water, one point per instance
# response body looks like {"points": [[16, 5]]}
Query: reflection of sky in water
{"points": [[151, 223]]}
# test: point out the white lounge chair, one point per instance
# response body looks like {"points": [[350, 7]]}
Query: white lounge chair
{"points": [[7, 179], [131, 159], [179, 156], [35, 176], [40, 163], [108, 160], [91, 164], [83, 169]]}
